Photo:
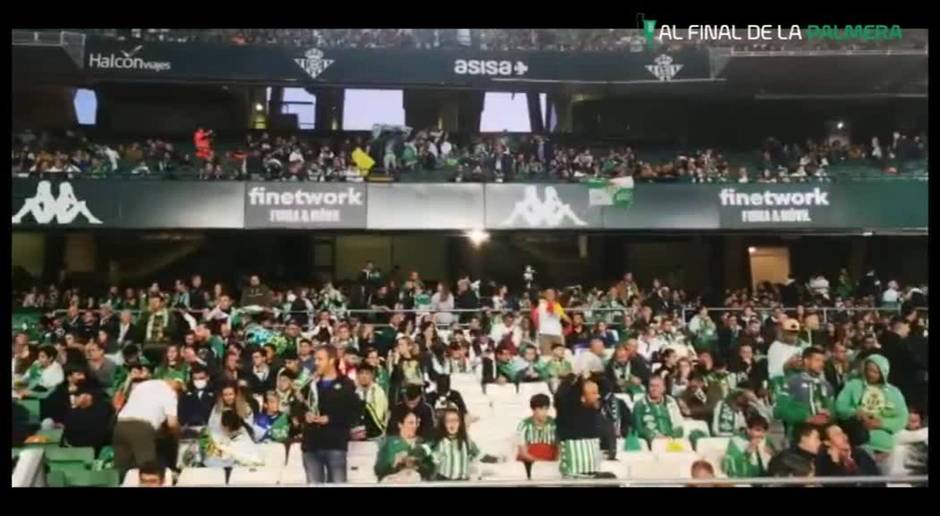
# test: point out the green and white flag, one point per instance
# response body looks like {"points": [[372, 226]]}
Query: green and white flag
{"points": [[617, 191]]}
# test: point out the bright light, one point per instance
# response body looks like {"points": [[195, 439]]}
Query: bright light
{"points": [[259, 107], [477, 236], [752, 250], [840, 125]]}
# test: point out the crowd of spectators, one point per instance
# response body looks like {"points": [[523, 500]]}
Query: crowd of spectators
{"points": [[305, 364], [435, 155], [561, 40]]}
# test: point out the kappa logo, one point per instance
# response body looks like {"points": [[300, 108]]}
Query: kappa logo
{"points": [[314, 62], [44, 206], [664, 70], [537, 213]]}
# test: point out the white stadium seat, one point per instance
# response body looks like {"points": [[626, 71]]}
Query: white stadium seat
{"points": [[635, 459], [511, 470], [505, 393], [527, 390], [546, 471], [275, 454], [201, 477], [132, 478], [369, 448], [254, 476], [361, 472], [616, 467], [293, 475], [690, 425], [655, 470], [682, 460], [666, 445], [295, 455], [712, 449]]}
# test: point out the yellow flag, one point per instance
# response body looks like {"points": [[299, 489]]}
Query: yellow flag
{"points": [[362, 160]]}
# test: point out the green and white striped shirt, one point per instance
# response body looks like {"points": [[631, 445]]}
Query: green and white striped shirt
{"points": [[530, 432], [580, 457], [452, 458]]}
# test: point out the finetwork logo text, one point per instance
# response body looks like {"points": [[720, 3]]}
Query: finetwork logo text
{"points": [[298, 199], [126, 61], [782, 207], [816, 197]]}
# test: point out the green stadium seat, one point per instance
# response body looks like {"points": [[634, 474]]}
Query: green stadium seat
{"points": [[84, 455], [87, 478], [55, 479]]}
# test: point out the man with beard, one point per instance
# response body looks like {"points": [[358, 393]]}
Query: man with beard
{"points": [[579, 425], [806, 396]]}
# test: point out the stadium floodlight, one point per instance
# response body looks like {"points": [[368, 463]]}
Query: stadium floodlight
{"points": [[840, 125], [477, 237], [259, 107]]}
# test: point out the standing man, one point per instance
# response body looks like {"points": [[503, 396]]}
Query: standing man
{"points": [[579, 424], [547, 317], [150, 405], [334, 408], [806, 396], [784, 353]]}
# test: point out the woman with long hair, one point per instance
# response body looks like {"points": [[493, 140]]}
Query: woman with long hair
{"points": [[173, 365], [402, 457], [453, 451], [230, 398]]}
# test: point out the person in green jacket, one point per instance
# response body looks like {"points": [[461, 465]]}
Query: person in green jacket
{"points": [[749, 452], [806, 396], [404, 452], [877, 405], [657, 414], [534, 370]]}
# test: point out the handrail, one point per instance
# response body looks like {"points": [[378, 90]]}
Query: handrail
{"points": [[920, 480]]}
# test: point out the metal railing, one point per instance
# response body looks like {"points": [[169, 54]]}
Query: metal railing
{"points": [[892, 481], [824, 310]]}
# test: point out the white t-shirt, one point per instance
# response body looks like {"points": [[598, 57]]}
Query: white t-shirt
{"points": [[890, 296], [52, 376], [152, 401], [778, 355], [549, 322]]}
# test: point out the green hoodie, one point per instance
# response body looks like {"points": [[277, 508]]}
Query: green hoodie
{"points": [[882, 400]]}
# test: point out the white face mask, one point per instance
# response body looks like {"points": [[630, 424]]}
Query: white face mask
{"points": [[200, 384]]}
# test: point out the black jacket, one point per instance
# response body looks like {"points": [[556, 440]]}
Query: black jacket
{"points": [[575, 421], [790, 295], [340, 403], [425, 415], [491, 372], [755, 373], [257, 385], [865, 465], [903, 367], [90, 426], [193, 410], [439, 402]]}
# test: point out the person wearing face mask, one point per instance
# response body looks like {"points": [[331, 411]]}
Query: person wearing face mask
{"points": [[196, 404]]}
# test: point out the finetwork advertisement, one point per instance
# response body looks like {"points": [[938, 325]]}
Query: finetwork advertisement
{"points": [[305, 205], [800, 205]]}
